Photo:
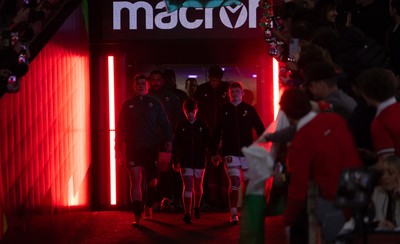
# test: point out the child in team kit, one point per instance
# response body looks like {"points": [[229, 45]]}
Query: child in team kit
{"points": [[190, 145]]}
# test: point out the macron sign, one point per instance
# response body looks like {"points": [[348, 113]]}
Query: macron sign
{"points": [[150, 19]]}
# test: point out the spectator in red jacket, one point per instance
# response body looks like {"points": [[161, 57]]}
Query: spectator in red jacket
{"points": [[378, 87], [321, 148]]}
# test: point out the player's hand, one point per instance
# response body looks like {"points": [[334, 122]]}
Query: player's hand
{"points": [[216, 159], [287, 233], [176, 167], [120, 152]]}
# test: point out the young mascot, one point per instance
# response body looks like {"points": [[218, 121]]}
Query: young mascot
{"points": [[189, 151]]}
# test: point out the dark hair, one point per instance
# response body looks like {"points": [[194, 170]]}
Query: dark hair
{"points": [[309, 54], [236, 84], [289, 9], [326, 38], [377, 84], [140, 77], [295, 103], [169, 78], [396, 5], [190, 79], [302, 29], [169, 73], [216, 71], [189, 105], [155, 72], [325, 5], [317, 71], [322, 7]]}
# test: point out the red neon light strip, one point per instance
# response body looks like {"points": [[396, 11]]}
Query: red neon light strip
{"points": [[275, 68], [111, 107]]}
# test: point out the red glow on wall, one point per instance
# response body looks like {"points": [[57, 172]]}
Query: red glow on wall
{"points": [[45, 147], [111, 107]]}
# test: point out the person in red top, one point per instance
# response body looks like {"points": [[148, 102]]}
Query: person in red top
{"points": [[321, 148], [378, 87]]}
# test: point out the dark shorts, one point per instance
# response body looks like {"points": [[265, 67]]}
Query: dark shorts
{"points": [[145, 157]]}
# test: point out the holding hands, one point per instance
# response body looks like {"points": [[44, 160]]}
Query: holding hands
{"points": [[176, 166], [216, 159]]}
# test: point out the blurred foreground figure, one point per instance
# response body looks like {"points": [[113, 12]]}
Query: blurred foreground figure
{"points": [[321, 148]]}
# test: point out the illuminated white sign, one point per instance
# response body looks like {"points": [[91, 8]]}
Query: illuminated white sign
{"points": [[167, 21]]}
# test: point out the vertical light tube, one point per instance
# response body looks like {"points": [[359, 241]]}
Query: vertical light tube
{"points": [[275, 68], [111, 107]]}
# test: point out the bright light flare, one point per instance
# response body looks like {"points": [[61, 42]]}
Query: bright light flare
{"points": [[276, 92], [111, 107]]}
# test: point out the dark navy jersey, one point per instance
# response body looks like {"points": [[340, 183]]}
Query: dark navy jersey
{"points": [[141, 121], [190, 144], [210, 101], [234, 127], [171, 104]]}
